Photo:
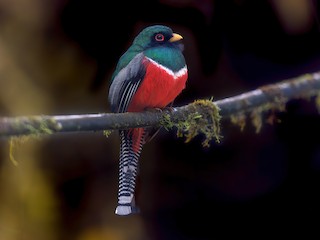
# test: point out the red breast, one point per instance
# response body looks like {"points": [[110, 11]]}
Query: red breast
{"points": [[159, 87]]}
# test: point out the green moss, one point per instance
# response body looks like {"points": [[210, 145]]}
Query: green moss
{"points": [[256, 119], [201, 117], [36, 127], [239, 120], [166, 122], [107, 133], [278, 105], [258, 114], [41, 129], [14, 143]]}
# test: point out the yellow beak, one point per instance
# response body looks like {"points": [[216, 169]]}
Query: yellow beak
{"points": [[175, 37]]}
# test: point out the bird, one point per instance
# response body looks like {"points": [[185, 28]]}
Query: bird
{"points": [[149, 75]]}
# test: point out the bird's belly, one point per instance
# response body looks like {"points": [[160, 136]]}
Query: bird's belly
{"points": [[159, 88]]}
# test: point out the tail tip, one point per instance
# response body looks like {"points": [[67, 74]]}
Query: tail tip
{"points": [[123, 210]]}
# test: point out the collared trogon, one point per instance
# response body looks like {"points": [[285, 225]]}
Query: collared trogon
{"points": [[150, 74]]}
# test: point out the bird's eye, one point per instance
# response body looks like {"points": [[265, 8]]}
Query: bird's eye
{"points": [[159, 37]]}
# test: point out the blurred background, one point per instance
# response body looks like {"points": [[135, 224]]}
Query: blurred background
{"points": [[57, 56]]}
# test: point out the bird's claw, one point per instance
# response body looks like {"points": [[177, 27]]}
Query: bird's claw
{"points": [[157, 110], [170, 109], [160, 110]]}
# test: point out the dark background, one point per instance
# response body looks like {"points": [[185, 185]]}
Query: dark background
{"points": [[57, 56]]}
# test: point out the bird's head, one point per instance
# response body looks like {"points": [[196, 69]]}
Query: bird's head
{"points": [[156, 36]]}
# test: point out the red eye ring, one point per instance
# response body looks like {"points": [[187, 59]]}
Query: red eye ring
{"points": [[159, 37]]}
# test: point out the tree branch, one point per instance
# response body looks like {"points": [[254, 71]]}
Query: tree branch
{"points": [[204, 114]]}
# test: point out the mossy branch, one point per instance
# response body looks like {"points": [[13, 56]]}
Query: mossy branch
{"points": [[201, 116]]}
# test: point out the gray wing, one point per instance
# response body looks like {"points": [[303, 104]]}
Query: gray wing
{"points": [[126, 83]]}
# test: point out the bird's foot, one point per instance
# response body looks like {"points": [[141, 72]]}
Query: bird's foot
{"points": [[160, 110], [157, 110], [169, 109]]}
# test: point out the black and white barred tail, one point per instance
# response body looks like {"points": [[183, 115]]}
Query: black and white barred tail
{"points": [[128, 170]]}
